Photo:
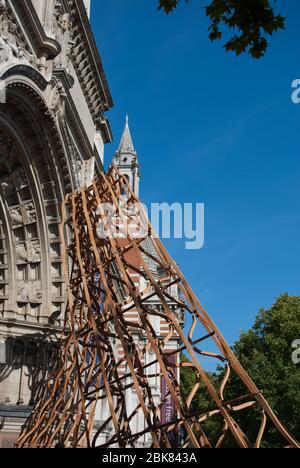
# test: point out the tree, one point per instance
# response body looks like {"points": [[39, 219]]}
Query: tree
{"points": [[265, 351], [250, 22]]}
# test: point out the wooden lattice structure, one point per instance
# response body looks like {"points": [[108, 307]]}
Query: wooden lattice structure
{"points": [[100, 294]]}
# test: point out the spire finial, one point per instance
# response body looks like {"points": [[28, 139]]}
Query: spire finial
{"points": [[126, 145]]}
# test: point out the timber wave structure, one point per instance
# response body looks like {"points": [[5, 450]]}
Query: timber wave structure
{"points": [[101, 297], [96, 329]]}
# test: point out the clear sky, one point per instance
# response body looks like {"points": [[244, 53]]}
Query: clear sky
{"points": [[210, 127]]}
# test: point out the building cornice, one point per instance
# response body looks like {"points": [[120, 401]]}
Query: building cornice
{"points": [[88, 66], [19, 326]]}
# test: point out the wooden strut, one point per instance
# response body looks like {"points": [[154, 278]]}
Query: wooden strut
{"points": [[92, 373]]}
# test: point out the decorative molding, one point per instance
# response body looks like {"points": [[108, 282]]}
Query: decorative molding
{"points": [[30, 250], [28, 72], [88, 65]]}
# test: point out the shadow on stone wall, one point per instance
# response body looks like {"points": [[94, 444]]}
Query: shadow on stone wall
{"points": [[36, 356]]}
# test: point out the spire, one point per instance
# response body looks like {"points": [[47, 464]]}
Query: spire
{"points": [[126, 145], [126, 159]]}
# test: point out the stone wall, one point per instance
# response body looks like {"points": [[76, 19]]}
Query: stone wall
{"points": [[53, 100]]}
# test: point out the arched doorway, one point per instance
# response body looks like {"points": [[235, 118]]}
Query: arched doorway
{"points": [[35, 175], [32, 184]]}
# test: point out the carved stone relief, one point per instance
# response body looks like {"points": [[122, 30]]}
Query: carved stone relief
{"points": [[19, 178], [10, 182], [30, 252], [17, 196], [29, 291], [57, 97], [12, 46], [63, 36], [22, 215]]}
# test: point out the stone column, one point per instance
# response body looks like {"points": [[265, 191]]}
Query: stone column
{"points": [[3, 357]]}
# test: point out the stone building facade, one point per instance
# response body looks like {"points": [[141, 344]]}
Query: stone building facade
{"points": [[53, 129]]}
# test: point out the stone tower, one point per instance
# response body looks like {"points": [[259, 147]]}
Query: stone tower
{"points": [[126, 159], [127, 162]]}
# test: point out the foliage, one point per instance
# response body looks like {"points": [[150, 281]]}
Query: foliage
{"points": [[250, 23], [265, 351]]}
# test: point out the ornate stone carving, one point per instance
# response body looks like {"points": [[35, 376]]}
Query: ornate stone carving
{"points": [[4, 50], [34, 251], [16, 217], [29, 252], [8, 40], [15, 181], [22, 215], [76, 161], [19, 178], [4, 187], [63, 36], [12, 47], [57, 98], [21, 253], [29, 291]]}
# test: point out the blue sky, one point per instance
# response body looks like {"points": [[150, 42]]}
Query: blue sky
{"points": [[210, 127]]}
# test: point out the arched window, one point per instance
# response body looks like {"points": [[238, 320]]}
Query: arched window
{"points": [[128, 180]]}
